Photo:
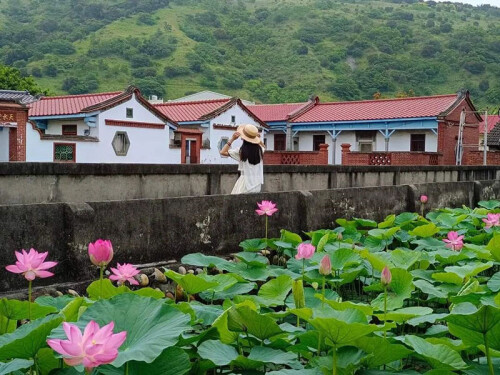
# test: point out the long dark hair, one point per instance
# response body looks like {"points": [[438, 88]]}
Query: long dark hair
{"points": [[251, 152]]}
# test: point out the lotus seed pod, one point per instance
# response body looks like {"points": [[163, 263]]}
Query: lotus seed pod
{"points": [[315, 285]]}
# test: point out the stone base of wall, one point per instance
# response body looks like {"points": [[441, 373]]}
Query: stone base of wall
{"points": [[150, 230]]}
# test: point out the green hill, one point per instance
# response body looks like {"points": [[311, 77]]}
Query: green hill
{"points": [[266, 50]]}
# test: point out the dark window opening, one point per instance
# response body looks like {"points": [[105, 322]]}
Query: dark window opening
{"points": [[130, 112], [279, 142], [318, 140], [417, 142], [69, 130]]}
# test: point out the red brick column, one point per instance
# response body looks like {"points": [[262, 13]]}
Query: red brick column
{"points": [[323, 154], [17, 136], [346, 149]]}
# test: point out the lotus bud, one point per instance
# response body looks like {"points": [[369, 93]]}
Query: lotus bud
{"points": [[325, 266], [339, 236], [386, 276], [305, 251], [315, 285], [101, 252], [423, 199], [298, 294]]}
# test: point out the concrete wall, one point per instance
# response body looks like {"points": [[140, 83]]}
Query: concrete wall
{"points": [[24, 183], [148, 230]]}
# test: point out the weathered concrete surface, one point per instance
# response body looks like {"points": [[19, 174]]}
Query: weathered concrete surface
{"points": [[149, 230], [25, 183]]}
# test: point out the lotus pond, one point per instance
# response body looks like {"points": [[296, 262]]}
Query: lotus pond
{"points": [[408, 295]]}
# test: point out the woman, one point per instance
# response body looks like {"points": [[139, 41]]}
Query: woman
{"points": [[250, 158]]}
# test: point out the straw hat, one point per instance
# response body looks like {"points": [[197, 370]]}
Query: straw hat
{"points": [[249, 133]]}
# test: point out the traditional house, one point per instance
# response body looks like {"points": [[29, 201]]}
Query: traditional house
{"points": [[418, 130], [206, 95], [215, 121], [112, 127]]}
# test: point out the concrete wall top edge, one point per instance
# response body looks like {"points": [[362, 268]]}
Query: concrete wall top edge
{"points": [[145, 169]]}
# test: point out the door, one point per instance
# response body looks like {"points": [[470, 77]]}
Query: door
{"points": [[191, 147]]}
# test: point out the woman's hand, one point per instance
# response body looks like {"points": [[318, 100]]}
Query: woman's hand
{"points": [[235, 136]]}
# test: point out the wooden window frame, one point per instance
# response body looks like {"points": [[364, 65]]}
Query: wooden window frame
{"points": [[315, 142], [65, 126], [64, 144], [282, 139], [415, 141]]}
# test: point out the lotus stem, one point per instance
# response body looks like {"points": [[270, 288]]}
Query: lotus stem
{"points": [[101, 274], [126, 369], [29, 300], [488, 357], [266, 226], [303, 267], [320, 338], [334, 360], [385, 310], [323, 293]]}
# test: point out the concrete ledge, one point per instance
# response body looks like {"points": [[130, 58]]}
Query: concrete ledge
{"points": [[150, 230]]}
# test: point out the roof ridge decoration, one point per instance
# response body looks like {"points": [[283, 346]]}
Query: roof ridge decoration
{"points": [[231, 103], [307, 106], [389, 99], [462, 95], [82, 95]]}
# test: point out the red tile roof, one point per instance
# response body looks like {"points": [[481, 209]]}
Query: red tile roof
{"points": [[68, 104], [190, 111], [425, 106], [274, 112], [492, 121]]}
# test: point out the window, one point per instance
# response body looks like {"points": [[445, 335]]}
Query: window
{"points": [[69, 130], [417, 142], [295, 143], [65, 152], [130, 112], [120, 143], [317, 140], [279, 142], [366, 140], [233, 119], [223, 142]]}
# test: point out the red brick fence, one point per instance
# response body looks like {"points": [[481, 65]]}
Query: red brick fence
{"points": [[298, 157], [388, 158]]}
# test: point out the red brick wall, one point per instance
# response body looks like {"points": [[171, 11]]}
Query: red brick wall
{"points": [[476, 158], [298, 157], [388, 158], [447, 140], [17, 136]]}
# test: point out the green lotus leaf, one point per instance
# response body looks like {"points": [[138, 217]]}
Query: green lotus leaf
{"points": [[104, 289], [494, 246], [58, 302], [490, 205], [402, 315], [151, 325], [388, 222], [473, 325], [231, 292], [17, 310], [401, 288], [430, 318], [217, 352], [383, 234], [405, 218], [383, 352], [274, 292], [341, 332], [343, 258], [427, 230], [404, 258], [252, 259], [244, 363], [290, 237], [253, 244], [202, 260], [14, 365], [327, 237], [430, 289], [206, 313], [269, 355], [376, 260], [341, 306], [313, 299], [304, 371], [25, 341], [365, 223], [190, 283], [437, 355], [245, 319]]}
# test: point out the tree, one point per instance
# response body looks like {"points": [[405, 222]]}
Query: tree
{"points": [[475, 66], [150, 86], [11, 79], [345, 88]]}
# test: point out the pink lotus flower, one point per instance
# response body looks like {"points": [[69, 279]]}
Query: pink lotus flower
{"points": [[124, 272], [266, 208], [101, 252], [454, 241], [305, 251], [325, 266], [339, 236], [423, 199], [386, 277], [97, 346], [493, 220], [31, 265]]}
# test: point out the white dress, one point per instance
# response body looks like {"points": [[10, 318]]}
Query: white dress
{"points": [[251, 176]]}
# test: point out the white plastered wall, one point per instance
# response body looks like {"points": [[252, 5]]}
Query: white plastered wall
{"points": [[4, 144]]}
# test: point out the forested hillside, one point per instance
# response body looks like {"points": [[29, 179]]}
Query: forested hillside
{"points": [[266, 50]]}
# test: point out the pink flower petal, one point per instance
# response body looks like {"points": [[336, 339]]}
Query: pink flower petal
{"points": [[14, 269]]}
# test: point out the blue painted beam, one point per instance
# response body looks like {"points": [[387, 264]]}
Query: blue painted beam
{"points": [[410, 124], [59, 117]]}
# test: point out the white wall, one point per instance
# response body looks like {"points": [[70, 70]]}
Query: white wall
{"points": [[4, 144], [212, 156], [146, 145]]}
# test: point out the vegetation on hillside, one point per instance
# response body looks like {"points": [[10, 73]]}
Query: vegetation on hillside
{"points": [[269, 51]]}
